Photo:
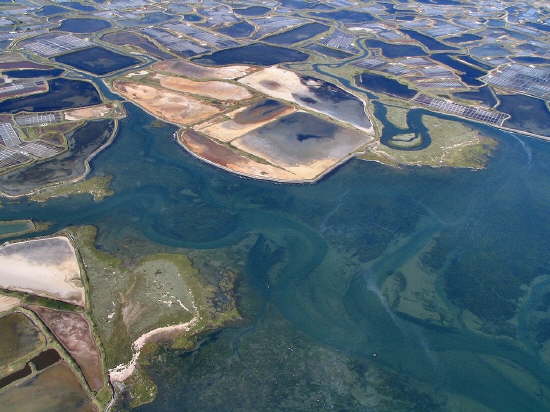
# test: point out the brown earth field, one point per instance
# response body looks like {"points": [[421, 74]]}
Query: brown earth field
{"points": [[86, 113], [55, 389], [228, 159], [73, 331], [213, 89], [169, 106], [198, 72], [245, 119]]}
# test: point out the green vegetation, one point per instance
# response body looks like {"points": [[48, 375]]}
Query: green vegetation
{"points": [[97, 187]]}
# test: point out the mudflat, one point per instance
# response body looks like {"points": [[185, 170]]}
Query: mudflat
{"points": [[45, 267]]}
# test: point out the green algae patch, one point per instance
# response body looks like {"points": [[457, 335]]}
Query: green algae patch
{"points": [[98, 187], [138, 303], [453, 144]]}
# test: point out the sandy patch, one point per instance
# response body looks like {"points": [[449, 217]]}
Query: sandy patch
{"points": [[228, 159], [313, 94], [198, 72], [169, 106], [8, 302], [213, 89], [85, 113], [228, 130], [45, 267]]}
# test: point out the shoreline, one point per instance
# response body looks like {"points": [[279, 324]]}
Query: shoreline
{"points": [[87, 168]]}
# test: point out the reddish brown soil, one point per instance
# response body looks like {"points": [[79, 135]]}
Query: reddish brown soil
{"points": [[73, 331]]}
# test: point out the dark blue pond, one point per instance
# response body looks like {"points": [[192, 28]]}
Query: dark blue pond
{"points": [[242, 29], [62, 94], [540, 26], [378, 83], [347, 16], [468, 74], [528, 113], [464, 38], [30, 73], [97, 60], [252, 11], [396, 50], [301, 4], [51, 10], [83, 25], [192, 17], [471, 60], [531, 59], [298, 34], [78, 6], [483, 95], [427, 41], [257, 53]]}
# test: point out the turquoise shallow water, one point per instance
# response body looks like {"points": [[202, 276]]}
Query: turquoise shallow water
{"points": [[318, 331]]}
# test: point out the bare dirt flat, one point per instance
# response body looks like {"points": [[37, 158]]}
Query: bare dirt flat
{"points": [[73, 331], [8, 302], [85, 113], [45, 267], [226, 158], [302, 144], [245, 119], [167, 105], [213, 89], [198, 72], [55, 389], [313, 94]]}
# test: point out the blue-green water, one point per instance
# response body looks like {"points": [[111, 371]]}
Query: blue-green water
{"points": [[318, 333]]}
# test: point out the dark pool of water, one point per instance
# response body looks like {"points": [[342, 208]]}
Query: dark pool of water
{"points": [[242, 29], [467, 73], [51, 10], [298, 34], [347, 16], [301, 4], [471, 60], [62, 94], [483, 95], [83, 25], [463, 38], [396, 50], [310, 287], [97, 60], [252, 11], [427, 41], [192, 17], [528, 113], [21, 373], [78, 6], [31, 73], [257, 53], [45, 359], [382, 84], [531, 59]]}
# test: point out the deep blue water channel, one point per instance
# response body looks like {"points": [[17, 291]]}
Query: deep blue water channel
{"points": [[320, 252]]}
